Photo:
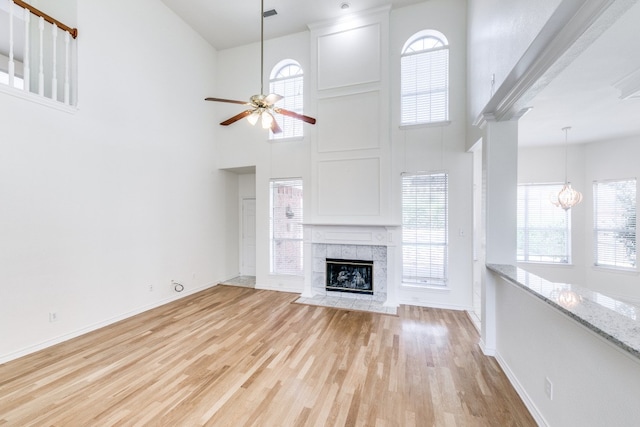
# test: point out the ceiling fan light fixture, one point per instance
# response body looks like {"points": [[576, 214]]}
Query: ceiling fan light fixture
{"points": [[262, 106], [253, 117], [267, 120]]}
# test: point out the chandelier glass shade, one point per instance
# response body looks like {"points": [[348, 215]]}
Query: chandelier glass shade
{"points": [[567, 197]]}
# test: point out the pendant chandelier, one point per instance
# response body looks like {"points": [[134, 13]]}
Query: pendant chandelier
{"points": [[567, 197]]}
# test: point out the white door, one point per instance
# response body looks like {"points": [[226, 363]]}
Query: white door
{"points": [[248, 244]]}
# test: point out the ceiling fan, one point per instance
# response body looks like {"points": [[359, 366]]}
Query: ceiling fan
{"points": [[262, 106]]}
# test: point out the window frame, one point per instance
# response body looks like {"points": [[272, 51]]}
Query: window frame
{"points": [[415, 111], [597, 229], [527, 228], [277, 243], [415, 278], [291, 128]]}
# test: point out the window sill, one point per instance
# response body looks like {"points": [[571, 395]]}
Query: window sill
{"points": [[424, 125], [437, 288], [547, 264], [618, 270], [290, 139]]}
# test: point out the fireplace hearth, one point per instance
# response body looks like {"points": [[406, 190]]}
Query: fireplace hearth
{"points": [[348, 275]]}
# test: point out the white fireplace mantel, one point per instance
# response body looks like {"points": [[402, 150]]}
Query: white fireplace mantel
{"points": [[352, 234], [384, 235]]}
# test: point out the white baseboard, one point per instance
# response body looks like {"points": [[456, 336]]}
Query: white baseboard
{"points": [[423, 303], [74, 334], [533, 409], [291, 289]]}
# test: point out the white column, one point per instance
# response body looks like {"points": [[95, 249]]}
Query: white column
{"points": [[11, 70], [54, 60], [41, 59], [500, 161], [26, 60], [500, 178]]}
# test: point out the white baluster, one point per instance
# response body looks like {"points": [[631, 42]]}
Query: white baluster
{"points": [[26, 60], [12, 70], [67, 39], [41, 62], [54, 74]]}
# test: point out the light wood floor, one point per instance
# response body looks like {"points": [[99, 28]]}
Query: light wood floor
{"points": [[232, 356]]}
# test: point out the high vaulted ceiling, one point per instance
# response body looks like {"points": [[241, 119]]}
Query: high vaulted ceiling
{"points": [[227, 24], [585, 95]]}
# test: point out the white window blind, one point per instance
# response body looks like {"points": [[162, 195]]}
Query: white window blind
{"points": [[425, 229], [286, 227], [288, 81], [544, 230], [425, 81], [614, 214]]}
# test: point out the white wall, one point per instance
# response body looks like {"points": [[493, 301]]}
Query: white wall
{"points": [[437, 148], [499, 33], [123, 194], [587, 163], [594, 382], [347, 138], [241, 145]]}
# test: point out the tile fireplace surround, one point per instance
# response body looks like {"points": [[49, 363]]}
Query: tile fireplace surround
{"points": [[375, 243]]}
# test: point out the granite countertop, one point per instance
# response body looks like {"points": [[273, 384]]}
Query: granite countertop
{"points": [[616, 321]]}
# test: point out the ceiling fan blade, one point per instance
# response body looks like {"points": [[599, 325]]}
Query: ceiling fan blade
{"points": [[272, 98], [236, 118], [274, 126], [232, 101], [302, 117]]}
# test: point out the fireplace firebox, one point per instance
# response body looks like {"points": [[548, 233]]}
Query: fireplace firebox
{"points": [[349, 275]]}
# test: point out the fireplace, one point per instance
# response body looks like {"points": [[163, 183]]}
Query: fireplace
{"points": [[349, 275]]}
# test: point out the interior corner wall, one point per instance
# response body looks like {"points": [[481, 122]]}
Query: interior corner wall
{"points": [[243, 145], [600, 160], [104, 207]]}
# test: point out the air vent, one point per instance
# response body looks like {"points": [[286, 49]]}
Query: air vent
{"points": [[268, 13]]}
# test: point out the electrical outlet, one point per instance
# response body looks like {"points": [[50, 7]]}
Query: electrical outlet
{"points": [[548, 388], [53, 316], [150, 288]]}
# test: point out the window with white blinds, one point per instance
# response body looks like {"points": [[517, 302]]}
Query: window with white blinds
{"points": [[425, 229], [544, 230], [424, 79], [285, 226], [614, 217], [287, 80]]}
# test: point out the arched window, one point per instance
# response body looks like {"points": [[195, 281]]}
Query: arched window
{"points": [[424, 79], [287, 80]]}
